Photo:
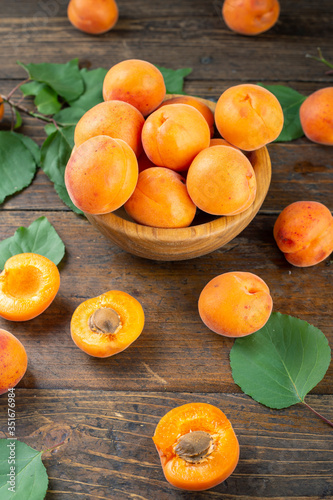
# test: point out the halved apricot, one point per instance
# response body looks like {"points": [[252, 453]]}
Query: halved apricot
{"points": [[107, 324]]}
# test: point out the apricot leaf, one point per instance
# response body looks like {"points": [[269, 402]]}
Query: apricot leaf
{"points": [[279, 364], [46, 99], [55, 154], [18, 162], [93, 89], [64, 79], [174, 79], [290, 101], [40, 237], [22, 472]]}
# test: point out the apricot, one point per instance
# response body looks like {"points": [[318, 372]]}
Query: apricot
{"points": [[304, 233], [2, 108], [137, 82], [117, 119], [13, 361], [220, 142], [316, 115], [197, 104], [250, 17], [173, 135], [101, 174], [93, 16], [221, 181], [144, 162], [107, 324], [160, 199], [28, 285], [197, 445], [248, 116], [235, 304]]}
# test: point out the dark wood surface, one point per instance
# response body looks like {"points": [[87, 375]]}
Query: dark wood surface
{"points": [[104, 412]]}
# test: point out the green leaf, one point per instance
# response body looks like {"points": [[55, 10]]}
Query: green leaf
{"points": [[93, 89], [18, 121], [40, 237], [31, 145], [17, 163], [64, 79], [290, 101], [46, 99], [31, 479], [279, 364], [31, 88], [174, 79], [56, 152], [68, 116]]}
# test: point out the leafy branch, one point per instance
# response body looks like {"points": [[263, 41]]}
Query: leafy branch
{"points": [[320, 58]]}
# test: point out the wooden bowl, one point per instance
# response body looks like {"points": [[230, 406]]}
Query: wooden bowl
{"points": [[206, 233]]}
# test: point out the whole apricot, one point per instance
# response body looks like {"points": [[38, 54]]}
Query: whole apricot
{"points": [[101, 174], [248, 116], [250, 17], [235, 304], [197, 104], [137, 82], [2, 108], [118, 119], [221, 181], [316, 115], [160, 199], [173, 135], [93, 16], [28, 285], [107, 324], [304, 233], [13, 361], [220, 142]]}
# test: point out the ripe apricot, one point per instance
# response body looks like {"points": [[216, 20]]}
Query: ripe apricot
{"points": [[220, 142], [107, 324], [250, 17], [2, 108], [137, 82], [235, 304], [304, 233], [197, 104], [197, 445], [117, 119], [221, 181], [248, 116], [28, 285], [101, 174], [93, 16], [160, 199], [316, 115], [173, 135], [13, 361]]}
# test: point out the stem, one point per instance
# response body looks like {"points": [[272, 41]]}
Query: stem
{"points": [[25, 110], [318, 414], [54, 447], [17, 86], [320, 58]]}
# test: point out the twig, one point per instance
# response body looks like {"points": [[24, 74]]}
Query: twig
{"points": [[25, 110], [318, 414], [320, 58], [17, 86]]}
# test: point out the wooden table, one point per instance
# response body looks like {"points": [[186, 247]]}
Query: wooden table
{"points": [[104, 411]]}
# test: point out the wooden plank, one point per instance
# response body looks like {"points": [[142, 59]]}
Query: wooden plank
{"points": [[107, 451], [175, 352]]}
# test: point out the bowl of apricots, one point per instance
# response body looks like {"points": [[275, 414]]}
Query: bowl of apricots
{"points": [[171, 177]]}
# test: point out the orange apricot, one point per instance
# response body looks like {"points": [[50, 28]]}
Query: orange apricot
{"points": [[160, 199], [28, 285], [137, 82], [107, 324], [235, 304], [316, 115], [220, 142], [250, 17], [248, 116], [13, 361], [118, 119], [173, 135], [2, 108], [197, 445], [304, 233], [101, 174], [93, 16], [221, 181], [197, 104]]}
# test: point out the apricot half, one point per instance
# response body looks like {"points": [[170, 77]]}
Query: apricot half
{"points": [[101, 174], [93, 16], [304, 233], [316, 115], [197, 445], [107, 324], [235, 304], [13, 361]]}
